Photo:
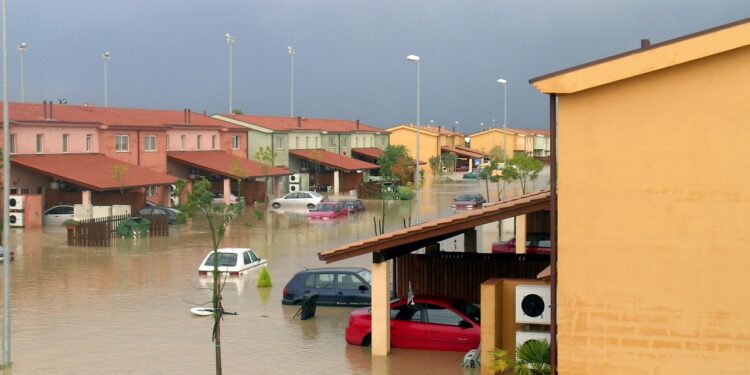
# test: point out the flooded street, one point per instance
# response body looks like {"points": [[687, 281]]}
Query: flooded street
{"points": [[125, 309]]}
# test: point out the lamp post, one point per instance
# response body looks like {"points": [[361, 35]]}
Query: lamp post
{"points": [[505, 117], [230, 41], [416, 59], [22, 51], [6, 191], [291, 52], [105, 57]]}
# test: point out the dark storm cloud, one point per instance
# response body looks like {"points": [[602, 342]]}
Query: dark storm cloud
{"points": [[350, 60]]}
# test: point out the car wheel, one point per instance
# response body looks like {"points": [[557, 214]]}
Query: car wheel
{"points": [[367, 341], [311, 206], [276, 205]]}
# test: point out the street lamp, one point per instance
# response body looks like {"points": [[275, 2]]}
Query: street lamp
{"points": [[505, 117], [416, 59], [291, 52], [105, 57], [230, 41], [22, 51]]}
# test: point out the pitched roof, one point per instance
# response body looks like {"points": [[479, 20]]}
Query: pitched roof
{"points": [[400, 242], [222, 163], [372, 152], [278, 123], [333, 160], [436, 130], [91, 171], [110, 116], [464, 151], [646, 59]]}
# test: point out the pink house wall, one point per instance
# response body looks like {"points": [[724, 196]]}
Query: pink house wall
{"points": [[191, 136], [53, 139], [226, 143]]}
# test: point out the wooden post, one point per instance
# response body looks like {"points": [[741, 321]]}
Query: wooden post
{"points": [[381, 309], [470, 241], [521, 234], [491, 301], [432, 249]]}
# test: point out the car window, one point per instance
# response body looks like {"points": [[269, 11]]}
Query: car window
{"points": [[145, 211], [303, 195], [470, 310], [310, 281], [319, 281], [291, 196], [347, 281], [366, 275], [246, 257], [62, 210], [225, 260], [406, 312], [253, 257], [441, 315]]}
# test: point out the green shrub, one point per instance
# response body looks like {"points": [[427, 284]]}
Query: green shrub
{"points": [[133, 228], [70, 223], [264, 280], [404, 193]]}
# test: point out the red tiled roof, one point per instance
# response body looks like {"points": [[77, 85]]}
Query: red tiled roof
{"points": [[333, 160], [222, 163], [109, 116], [372, 152], [291, 123], [464, 151], [395, 243], [91, 171]]}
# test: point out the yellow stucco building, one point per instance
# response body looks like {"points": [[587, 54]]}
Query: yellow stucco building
{"points": [[433, 141], [532, 142], [653, 243]]}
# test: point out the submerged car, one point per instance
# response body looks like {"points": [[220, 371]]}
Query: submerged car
{"points": [[172, 213], [233, 261], [354, 205], [307, 199], [341, 286], [468, 201], [328, 210], [57, 215], [218, 198], [470, 175], [536, 243], [429, 323]]}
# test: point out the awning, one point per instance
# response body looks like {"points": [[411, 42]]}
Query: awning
{"points": [[370, 152], [91, 171], [330, 159], [464, 152], [391, 245], [224, 164]]}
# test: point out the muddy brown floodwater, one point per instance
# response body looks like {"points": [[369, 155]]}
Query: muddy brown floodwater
{"points": [[124, 309]]}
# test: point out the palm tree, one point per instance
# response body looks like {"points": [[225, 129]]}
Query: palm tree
{"points": [[534, 358]]}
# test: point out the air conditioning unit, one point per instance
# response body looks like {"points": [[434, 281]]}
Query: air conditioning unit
{"points": [[444, 169], [523, 336], [15, 202], [533, 304], [293, 188], [16, 219], [294, 179]]}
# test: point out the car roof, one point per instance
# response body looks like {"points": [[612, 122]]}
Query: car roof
{"points": [[235, 250], [334, 269]]}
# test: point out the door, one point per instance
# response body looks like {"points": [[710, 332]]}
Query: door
{"points": [[351, 290], [445, 329], [321, 283], [407, 328]]}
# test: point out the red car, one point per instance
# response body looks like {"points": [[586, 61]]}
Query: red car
{"points": [[536, 243], [430, 323], [328, 210]]}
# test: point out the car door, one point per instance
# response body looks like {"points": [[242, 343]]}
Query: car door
{"points": [[407, 328], [445, 329], [321, 283], [58, 215], [304, 198], [351, 290]]}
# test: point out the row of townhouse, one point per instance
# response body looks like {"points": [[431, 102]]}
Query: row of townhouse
{"points": [[532, 142], [72, 154]]}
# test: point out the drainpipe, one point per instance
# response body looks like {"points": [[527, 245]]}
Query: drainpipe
{"points": [[553, 228], [138, 146]]}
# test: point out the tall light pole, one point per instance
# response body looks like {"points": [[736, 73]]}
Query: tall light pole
{"points": [[291, 52], [230, 41], [505, 118], [22, 51], [106, 56], [416, 59], [6, 192]]}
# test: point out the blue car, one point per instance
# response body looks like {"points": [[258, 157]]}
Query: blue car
{"points": [[343, 286]]}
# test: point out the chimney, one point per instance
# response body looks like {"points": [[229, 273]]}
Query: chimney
{"points": [[50, 110], [645, 43], [44, 105], [299, 121], [357, 123], [189, 112]]}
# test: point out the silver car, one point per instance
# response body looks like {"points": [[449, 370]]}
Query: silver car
{"points": [[307, 199], [57, 215]]}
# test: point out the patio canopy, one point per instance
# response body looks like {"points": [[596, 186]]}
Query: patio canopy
{"points": [[224, 164], [464, 152], [335, 161]]}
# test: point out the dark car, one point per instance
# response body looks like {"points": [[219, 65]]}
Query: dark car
{"points": [[172, 213], [468, 201], [335, 286], [536, 243], [470, 175], [354, 205]]}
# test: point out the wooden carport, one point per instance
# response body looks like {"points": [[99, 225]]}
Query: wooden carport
{"points": [[398, 243]]}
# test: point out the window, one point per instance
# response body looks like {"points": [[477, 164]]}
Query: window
{"points": [[279, 142], [407, 313], [89, 142], [331, 142], [316, 142], [349, 282], [198, 140], [441, 315], [121, 143], [151, 191], [235, 142], [149, 143], [356, 141], [296, 142], [213, 142], [65, 142], [307, 142], [39, 143], [319, 281], [183, 142], [246, 257], [343, 142], [12, 144], [166, 143]]}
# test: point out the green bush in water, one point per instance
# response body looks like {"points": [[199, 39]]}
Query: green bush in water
{"points": [[133, 228], [404, 193], [264, 280]]}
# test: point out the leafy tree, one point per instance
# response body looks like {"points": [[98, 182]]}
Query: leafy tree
{"points": [[449, 161], [118, 174], [218, 217], [239, 173], [534, 358], [267, 158], [435, 165], [237, 111], [499, 361], [395, 163], [486, 173], [523, 168]]}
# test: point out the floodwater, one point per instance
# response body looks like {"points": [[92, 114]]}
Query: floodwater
{"points": [[124, 309]]}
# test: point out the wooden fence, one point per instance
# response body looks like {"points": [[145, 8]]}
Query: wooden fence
{"points": [[459, 275], [99, 232]]}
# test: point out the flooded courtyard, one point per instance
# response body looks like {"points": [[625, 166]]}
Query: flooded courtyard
{"points": [[125, 308]]}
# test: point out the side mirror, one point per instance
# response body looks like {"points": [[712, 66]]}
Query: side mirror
{"points": [[363, 288], [464, 324]]}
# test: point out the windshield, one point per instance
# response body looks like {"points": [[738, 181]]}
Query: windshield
{"points": [[470, 310], [366, 275], [314, 194], [225, 260], [465, 197], [324, 208]]}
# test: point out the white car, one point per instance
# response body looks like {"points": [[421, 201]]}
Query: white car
{"points": [[307, 199], [233, 261], [218, 198], [57, 215]]}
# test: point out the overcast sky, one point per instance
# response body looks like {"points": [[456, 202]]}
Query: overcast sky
{"points": [[350, 54]]}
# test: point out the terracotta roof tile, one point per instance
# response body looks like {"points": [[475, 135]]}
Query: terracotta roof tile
{"points": [[372, 152], [278, 123], [221, 163], [333, 160]]}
